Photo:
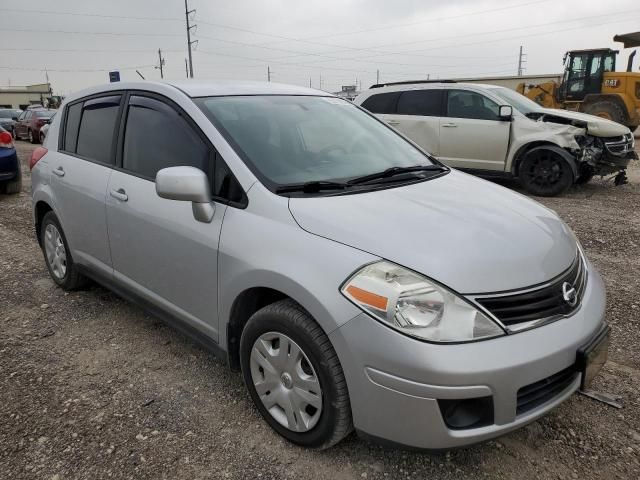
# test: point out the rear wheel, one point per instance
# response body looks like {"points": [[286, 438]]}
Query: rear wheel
{"points": [[55, 248], [294, 376], [608, 110], [545, 173]]}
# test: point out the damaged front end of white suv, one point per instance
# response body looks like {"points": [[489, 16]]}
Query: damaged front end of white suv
{"points": [[598, 146]]}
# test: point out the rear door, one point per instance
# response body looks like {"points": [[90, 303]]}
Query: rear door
{"points": [[472, 135], [159, 250], [80, 172], [418, 115], [21, 124]]}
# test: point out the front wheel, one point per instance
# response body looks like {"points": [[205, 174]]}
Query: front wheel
{"points": [[32, 139], [294, 376], [545, 173]]}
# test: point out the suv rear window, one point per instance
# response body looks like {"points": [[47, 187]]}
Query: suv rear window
{"points": [[382, 102], [426, 103]]}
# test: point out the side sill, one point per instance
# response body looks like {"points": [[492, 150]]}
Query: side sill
{"points": [[194, 334]]}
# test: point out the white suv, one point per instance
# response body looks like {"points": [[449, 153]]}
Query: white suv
{"points": [[494, 131]]}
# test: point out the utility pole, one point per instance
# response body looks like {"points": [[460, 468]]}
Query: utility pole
{"points": [[188, 12], [161, 63], [309, 82], [377, 77], [521, 62], [320, 82], [186, 67], [268, 73]]}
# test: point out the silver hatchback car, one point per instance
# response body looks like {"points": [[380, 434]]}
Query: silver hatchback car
{"points": [[353, 279]]}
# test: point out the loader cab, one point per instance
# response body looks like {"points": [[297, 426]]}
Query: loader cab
{"points": [[583, 73]]}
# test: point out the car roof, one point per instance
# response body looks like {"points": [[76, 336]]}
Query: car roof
{"points": [[193, 88]]}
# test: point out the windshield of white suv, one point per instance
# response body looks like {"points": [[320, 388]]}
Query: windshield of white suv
{"points": [[299, 139], [516, 100]]}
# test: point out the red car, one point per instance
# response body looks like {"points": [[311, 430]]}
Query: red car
{"points": [[31, 121]]}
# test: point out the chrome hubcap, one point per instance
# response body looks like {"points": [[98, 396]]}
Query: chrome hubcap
{"points": [[55, 251], [286, 382]]}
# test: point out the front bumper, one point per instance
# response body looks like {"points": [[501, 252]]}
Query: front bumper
{"points": [[395, 381]]}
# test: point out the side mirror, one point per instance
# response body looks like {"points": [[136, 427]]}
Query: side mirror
{"points": [[15, 119], [506, 112], [187, 184]]}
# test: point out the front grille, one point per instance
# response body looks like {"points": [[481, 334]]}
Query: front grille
{"points": [[540, 392], [516, 310], [619, 145]]}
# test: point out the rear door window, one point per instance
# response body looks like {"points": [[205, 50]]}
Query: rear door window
{"points": [[382, 103], [97, 127], [426, 103]]}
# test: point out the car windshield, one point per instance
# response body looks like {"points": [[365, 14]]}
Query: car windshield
{"points": [[45, 113], [516, 100], [298, 139], [9, 113]]}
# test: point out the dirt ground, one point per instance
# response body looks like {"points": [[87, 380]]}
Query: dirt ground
{"points": [[91, 387]]}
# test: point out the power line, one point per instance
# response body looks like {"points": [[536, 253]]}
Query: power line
{"points": [[75, 14], [74, 70], [431, 20], [94, 33]]}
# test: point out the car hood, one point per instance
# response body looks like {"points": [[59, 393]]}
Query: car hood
{"points": [[469, 234], [596, 126]]}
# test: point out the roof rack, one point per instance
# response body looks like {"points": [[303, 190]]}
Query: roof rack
{"points": [[410, 82]]}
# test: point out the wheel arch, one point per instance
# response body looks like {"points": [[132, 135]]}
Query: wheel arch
{"points": [[525, 149], [246, 303], [40, 209]]}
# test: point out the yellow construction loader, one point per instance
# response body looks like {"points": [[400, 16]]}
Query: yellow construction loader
{"points": [[591, 84]]}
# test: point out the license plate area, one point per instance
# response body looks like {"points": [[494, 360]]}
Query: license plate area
{"points": [[592, 356]]}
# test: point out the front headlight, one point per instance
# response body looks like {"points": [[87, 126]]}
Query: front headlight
{"points": [[417, 306]]}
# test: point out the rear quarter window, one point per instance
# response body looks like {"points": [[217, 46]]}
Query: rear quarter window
{"points": [[382, 103]]}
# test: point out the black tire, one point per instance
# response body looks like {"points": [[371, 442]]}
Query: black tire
{"points": [[609, 110], [13, 133], [72, 278], [289, 318], [41, 137], [31, 137], [14, 186], [545, 173]]}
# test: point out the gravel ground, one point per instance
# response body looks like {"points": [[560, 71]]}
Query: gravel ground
{"points": [[92, 387]]}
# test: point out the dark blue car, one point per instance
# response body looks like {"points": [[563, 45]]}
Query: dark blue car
{"points": [[10, 173]]}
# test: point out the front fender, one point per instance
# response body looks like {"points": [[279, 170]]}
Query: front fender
{"points": [[263, 246]]}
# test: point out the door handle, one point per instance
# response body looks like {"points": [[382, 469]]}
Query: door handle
{"points": [[449, 125], [59, 171], [393, 122], [119, 194]]}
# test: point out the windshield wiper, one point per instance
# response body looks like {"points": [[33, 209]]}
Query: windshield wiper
{"points": [[393, 171], [311, 187]]}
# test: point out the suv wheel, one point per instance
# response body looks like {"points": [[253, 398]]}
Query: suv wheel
{"points": [[57, 256], [41, 137], [32, 139], [545, 173], [294, 376]]}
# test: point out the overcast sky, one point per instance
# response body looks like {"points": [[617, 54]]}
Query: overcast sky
{"points": [[79, 41]]}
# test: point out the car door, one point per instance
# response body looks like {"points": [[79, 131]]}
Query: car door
{"points": [[159, 250], [472, 135], [418, 115], [80, 171], [21, 124]]}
